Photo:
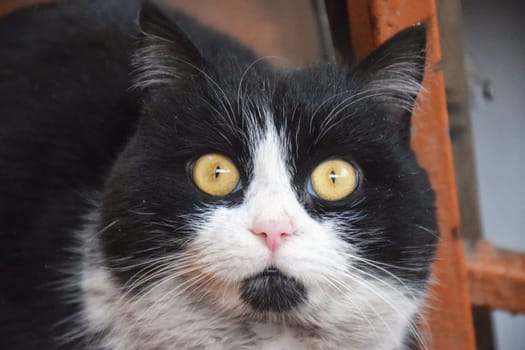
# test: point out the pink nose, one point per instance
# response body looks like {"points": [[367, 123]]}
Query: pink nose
{"points": [[273, 232]]}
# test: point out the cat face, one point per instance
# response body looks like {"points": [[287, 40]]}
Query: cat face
{"points": [[282, 196]]}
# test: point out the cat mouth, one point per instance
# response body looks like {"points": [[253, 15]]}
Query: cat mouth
{"points": [[271, 290]]}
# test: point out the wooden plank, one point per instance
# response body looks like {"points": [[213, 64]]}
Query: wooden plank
{"points": [[450, 318], [497, 277], [449, 16], [459, 119], [361, 28]]}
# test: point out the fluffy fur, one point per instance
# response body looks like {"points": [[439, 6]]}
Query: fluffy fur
{"points": [[108, 244]]}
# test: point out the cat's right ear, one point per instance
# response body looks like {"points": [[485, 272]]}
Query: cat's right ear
{"points": [[392, 74], [166, 57]]}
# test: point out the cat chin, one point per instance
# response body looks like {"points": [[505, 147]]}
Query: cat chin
{"points": [[273, 291]]}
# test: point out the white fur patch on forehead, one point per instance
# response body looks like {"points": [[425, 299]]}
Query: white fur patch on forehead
{"points": [[270, 157]]}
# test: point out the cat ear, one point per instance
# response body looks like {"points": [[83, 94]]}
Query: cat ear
{"points": [[392, 74], [166, 57]]}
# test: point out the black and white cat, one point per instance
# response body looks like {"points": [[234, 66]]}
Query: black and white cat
{"points": [[163, 188]]}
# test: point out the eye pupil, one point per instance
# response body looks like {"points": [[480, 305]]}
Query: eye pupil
{"points": [[333, 176], [217, 171]]}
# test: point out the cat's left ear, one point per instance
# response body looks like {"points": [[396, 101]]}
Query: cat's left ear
{"points": [[166, 56], [392, 74]]}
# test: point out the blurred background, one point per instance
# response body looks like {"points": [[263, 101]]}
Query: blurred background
{"points": [[483, 43], [494, 48]]}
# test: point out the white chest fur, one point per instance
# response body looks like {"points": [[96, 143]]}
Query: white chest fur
{"points": [[273, 337]]}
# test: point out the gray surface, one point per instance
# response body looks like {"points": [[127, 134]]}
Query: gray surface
{"points": [[494, 39]]}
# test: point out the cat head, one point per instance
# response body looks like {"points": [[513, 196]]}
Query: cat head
{"points": [[273, 195]]}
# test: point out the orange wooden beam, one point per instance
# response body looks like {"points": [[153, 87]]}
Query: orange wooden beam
{"points": [[449, 316], [497, 278]]}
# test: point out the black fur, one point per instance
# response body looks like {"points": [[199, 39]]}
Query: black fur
{"points": [[270, 290], [78, 117]]}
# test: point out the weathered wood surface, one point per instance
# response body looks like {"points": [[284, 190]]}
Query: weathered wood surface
{"points": [[497, 277], [450, 28]]}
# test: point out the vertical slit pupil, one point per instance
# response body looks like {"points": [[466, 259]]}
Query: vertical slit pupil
{"points": [[217, 171], [333, 176]]}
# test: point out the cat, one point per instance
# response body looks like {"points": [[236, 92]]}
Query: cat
{"points": [[162, 187]]}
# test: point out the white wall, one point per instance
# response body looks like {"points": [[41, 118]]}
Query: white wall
{"points": [[494, 39]]}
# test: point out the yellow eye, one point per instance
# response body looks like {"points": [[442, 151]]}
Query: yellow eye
{"points": [[215, 174], [333, 180]]}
